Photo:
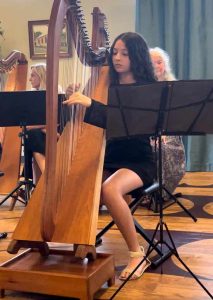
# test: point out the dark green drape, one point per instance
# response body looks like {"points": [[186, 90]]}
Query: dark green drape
{"points": [[184, 28]]}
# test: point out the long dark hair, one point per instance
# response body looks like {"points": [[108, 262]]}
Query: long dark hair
{"points": [[141, 65]]}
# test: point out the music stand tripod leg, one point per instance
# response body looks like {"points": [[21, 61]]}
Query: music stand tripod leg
{"points": [[174, 251], [26, 182], [11, 193], [161, 256], [171, 196]]}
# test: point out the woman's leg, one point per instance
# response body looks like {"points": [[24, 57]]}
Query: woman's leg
{"points": [[113, 191], [38, 165], [36, 172], [40, 159], [106, 174]]}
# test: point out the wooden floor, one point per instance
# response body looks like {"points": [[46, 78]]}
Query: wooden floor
{"points": [[194, 242]]}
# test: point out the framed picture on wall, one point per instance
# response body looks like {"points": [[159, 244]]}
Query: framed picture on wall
{"points": [[38, 31]]}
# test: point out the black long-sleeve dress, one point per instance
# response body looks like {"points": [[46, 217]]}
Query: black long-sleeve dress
{"points": [[35, 142], [134, 153]]}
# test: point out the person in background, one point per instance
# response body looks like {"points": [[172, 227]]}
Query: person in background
{"points": [[129, 163], [173, 153], [161, 64], [36, 135]]}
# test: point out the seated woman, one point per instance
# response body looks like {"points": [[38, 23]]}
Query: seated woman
{"points": [[129, 162], [173, 153], [36, 134]]}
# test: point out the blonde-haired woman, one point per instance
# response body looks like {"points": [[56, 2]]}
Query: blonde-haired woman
{"points": [[173, 153], [37, 134], [38, 76]]}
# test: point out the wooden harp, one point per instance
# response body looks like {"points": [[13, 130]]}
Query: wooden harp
{"points": [[15, 68], [69, 215]]}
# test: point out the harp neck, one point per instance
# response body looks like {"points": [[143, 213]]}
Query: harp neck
{"points": [[14, 58], [15, 68]]}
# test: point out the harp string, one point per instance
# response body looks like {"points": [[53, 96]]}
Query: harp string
{"points": [[87, 80], [74, 114]]}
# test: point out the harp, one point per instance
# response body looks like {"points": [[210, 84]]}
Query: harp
{"points": [[14, 66], [66, 207]]}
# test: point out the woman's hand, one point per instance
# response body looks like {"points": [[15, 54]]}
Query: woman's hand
{"points": [[164, 139], [72, 88], [78, 98]]}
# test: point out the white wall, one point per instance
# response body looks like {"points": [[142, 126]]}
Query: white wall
{"points": [[120, 14], [15, 15]]}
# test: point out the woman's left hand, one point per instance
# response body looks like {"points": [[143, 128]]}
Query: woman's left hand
{"points": [[78, 98]]}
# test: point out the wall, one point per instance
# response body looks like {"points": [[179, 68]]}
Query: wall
{"points": [[15, 15]]}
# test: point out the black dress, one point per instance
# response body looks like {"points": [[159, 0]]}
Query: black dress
{"points": [[134, 153], [36, 139], [35, 142]]}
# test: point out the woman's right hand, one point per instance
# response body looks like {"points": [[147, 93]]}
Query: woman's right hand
{"points": [[78, 98], [73, 87]]}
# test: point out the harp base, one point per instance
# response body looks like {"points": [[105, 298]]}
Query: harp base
{"points": [[59, 274]]}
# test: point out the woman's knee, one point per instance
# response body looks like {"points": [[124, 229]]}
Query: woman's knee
{"points": [[109, 192]]}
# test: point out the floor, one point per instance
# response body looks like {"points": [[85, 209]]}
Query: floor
{"points": [[170, 281]]}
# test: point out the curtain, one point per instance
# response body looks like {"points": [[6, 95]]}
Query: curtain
{"points": [[184, 28]]}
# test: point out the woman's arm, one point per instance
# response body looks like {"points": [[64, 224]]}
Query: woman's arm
{"points": [[96, 112], [36, 127]]}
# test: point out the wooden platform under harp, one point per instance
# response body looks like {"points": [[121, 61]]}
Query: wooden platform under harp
{"points": [[59, 274], [65, 210]]}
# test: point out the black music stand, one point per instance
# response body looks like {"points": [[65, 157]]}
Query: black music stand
{"points": [[23, 108], [163, 108]]}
